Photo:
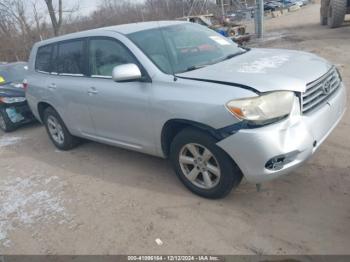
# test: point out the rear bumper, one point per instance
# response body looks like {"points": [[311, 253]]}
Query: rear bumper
{"points": [[295, 138]]}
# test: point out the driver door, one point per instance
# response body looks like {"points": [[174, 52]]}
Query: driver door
{"points": [[119, 110]]}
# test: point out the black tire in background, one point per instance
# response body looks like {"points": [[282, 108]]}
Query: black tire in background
{"points": [[323, 12], [5, 123], [323, 20], [69, 141], [230, 176], [336, 13]]}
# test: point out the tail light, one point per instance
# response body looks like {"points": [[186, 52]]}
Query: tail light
{"points": [[25, 84]]}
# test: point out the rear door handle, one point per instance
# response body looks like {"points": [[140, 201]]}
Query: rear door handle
{"points": [[92, 91], [52, 86]]}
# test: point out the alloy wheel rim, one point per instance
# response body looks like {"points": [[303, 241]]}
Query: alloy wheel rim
{"points": [[199, 166], [55, 130]]}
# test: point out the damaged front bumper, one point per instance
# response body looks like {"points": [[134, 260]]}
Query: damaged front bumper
{"points": [[268, 152]]}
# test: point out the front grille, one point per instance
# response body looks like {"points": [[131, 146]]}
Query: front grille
{"points": [[318, 91]]}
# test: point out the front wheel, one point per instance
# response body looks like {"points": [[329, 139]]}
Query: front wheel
{"points": [[202, 166]]}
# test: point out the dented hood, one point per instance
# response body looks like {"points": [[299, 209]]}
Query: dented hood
{"points": [[266, 70]]}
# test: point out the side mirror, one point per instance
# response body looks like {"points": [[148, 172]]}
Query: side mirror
{"points": [[126, 72]]}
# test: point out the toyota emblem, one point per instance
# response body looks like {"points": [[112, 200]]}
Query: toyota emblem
{"points": [[326, 87]]}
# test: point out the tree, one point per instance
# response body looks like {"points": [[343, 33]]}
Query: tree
{"points": [[16, 34], [56, 21]]}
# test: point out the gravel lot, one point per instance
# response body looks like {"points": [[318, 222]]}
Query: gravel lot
{"points": [[98, 199]]}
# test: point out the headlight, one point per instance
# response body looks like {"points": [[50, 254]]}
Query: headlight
{"points": [[11, 100], [263, 109]]}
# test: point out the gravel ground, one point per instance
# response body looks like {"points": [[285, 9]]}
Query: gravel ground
{"points": [[98, 199]]}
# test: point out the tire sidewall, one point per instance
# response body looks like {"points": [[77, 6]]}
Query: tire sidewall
{"points": [[336, 13], [68, 139], [230, 173]]}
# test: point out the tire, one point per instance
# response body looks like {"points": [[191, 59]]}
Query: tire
{"points": [[336, 13], [324, 12], [323, 20], [5, 123], [220, 171], [63, 140]]}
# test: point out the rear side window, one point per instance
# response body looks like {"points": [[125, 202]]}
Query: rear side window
{"points": [[43, 59], [70, 58]]}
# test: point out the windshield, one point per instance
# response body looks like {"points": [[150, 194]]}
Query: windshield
{"points": [[180, 48]]}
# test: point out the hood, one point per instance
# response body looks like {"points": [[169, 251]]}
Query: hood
{"points": [[265, 70], [9, 91]]}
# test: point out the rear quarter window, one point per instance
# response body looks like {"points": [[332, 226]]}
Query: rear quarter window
{"points": [[43, 59]]}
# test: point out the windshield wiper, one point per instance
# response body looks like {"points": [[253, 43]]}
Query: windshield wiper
{"points": [[195, 67]]}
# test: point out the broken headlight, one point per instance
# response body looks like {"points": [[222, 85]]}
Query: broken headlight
{"points": [[12, 100], [263, 109]]}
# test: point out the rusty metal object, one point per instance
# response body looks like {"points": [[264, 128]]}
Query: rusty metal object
{"points": [[235, 31]]}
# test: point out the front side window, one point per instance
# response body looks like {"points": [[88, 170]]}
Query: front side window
{"points": [[105, 54], [183, 47], [43, 59], [70, 58]]}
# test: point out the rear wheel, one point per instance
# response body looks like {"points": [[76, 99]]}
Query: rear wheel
{"points": [[336, 13], [202, 166], [5, 123], [58, 131]]}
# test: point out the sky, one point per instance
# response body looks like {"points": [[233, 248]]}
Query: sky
{"points": [[85, 6]]}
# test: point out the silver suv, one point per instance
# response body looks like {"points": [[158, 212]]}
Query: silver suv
{"points": [[181, 91]]}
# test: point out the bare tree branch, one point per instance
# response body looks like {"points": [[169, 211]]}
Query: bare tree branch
{"points": [[56, 22]]}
